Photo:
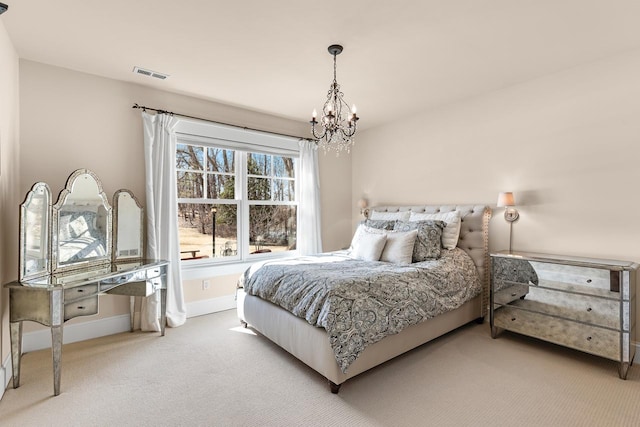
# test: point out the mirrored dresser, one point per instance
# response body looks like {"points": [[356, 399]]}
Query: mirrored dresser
{"points": [[73, 251], [583, 303]]}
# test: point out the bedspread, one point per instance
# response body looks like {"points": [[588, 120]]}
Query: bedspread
{"points": [[361, 302]]}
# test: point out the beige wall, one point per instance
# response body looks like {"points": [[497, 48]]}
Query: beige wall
{"points": [[72, 120], [10, 196], [567, 145]]}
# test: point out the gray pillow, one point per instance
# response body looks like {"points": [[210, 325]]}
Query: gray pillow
{"points": [[381, 224], [429, 240]]}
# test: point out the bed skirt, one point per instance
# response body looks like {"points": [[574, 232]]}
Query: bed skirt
{"points": [[310, 344]]}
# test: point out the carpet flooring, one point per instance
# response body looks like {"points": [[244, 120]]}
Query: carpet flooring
{"points": [[212, 372]]}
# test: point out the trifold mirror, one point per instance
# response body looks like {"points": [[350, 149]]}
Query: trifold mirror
{"points": [[35, 225], [128, 221], [80, 230]]}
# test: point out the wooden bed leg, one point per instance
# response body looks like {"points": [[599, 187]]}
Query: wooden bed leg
{"points": [[480, 320], [335, 388]]}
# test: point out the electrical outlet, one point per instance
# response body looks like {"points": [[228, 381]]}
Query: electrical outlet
{"points": [[205, 284]]}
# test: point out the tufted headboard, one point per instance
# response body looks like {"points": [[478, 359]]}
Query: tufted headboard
{"points": [[474, 235]]}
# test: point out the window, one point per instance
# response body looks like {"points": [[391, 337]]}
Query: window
{"points": [[234, 204]]}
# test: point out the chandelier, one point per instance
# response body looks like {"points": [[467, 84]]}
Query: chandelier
{"points": [[337, 125]]}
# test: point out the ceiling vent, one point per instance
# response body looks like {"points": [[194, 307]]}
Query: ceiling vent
{"points": [[150, 73]]}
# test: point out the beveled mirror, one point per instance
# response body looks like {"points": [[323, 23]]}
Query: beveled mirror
{"points": [[35, 223], [81, 234], [128, 219]]}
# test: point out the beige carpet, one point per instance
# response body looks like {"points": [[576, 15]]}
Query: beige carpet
{"points": [[210, 372]]}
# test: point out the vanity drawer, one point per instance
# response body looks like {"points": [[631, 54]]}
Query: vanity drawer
{"points": [[83, 307], [71, 294], [588, 338]]}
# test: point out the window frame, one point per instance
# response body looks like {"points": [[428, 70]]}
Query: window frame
{"points": [[242, 141]]}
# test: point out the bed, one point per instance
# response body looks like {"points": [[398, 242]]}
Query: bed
{"points": [[311, 335]]}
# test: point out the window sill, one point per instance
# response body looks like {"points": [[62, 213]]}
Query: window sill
{"points": [[200, 270]]}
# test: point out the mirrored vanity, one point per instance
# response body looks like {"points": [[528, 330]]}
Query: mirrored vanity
{"points": [[73, 251]]}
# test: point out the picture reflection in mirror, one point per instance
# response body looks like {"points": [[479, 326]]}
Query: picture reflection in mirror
{"points": [[34, 233], [83, 222]]}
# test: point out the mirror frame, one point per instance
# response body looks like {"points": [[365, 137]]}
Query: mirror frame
{"points": [[44, 234], [116, 221], [55, 232]]}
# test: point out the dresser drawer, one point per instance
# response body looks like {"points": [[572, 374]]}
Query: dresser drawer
{"points": [[71, 294], [586, 309], [590, 339], [82, 307]]}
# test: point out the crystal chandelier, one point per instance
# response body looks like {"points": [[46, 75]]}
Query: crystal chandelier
{"points": [[337, 125]]}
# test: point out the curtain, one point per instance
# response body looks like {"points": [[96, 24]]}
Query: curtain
{"points": [[309, 229], [162, 213]]}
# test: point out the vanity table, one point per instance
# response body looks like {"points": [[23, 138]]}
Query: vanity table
{"points": [[74, 251]]}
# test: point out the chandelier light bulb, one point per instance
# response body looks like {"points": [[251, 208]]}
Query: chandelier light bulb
{"points": [[314, 114], [353, 109]]}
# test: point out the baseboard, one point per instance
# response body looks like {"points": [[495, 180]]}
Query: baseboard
{"points": [[38, 340], [5, 374], [213, 305]]}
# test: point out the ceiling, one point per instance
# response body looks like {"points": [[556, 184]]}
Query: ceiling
{"points": [[400, 56]]}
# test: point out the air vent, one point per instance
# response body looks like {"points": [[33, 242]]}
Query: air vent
{"points": [[150, 73]]}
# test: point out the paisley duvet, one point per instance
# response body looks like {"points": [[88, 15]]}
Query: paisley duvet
{"points": [[361, 302]]}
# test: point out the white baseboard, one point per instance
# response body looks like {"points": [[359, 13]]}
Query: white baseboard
{"points": [[5, 374], [213, 305], [37, 340]]}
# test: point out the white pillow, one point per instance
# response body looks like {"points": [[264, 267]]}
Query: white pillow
{"points": [[362, 228], [451, 231], [399, 247], [390, 216], [369, 246]]}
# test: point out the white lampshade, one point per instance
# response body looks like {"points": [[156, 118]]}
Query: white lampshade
{"points": [[506, 199]]}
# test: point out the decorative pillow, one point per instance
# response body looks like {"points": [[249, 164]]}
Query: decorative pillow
{"points": [[382, 224], [359, 231], [451, 231], [400, 216], [398, 248], [428, 241], [369, 246]]}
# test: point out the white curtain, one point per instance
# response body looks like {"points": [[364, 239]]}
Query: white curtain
{"points": [[309, 229], [162, 213]]}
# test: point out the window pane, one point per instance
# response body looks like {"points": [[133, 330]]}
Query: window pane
{"points": [[283, 167], [190, 185], [272, 228], [199, 234], [221, 186], [259, 188], [189, 157], [259, 164], [284, 190], [220, 160]]}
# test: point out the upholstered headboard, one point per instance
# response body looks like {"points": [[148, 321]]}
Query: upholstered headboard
{"points": [[474, 235]]}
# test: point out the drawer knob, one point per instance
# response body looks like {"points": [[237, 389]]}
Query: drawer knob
{"points": [[513, 319], [588, 338], [513, 294], [81, 307], [588, 280], [80, 290], [589, 309]]}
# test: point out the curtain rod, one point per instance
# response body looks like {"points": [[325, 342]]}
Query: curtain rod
{"points": [[219, 123]]}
